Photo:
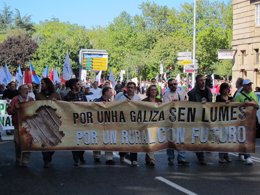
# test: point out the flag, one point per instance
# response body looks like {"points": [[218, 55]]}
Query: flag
{"points": [[51, 75], [27, 76], [112, 79], [35, 78], [121, 75], [98, 77], [67, 71], [45, 73], [56, 78], [19, 76], [2, 76], [178, 78], [165, 76], [213, 79], [8, 75], [161, 68], [157, 77]]}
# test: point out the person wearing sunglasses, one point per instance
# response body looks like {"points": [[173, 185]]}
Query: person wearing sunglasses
{"points": [[174, 95]]}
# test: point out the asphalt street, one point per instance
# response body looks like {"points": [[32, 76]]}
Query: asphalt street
{"points": [[63, 178]]}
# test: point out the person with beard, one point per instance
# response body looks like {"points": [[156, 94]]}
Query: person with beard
{"points": [[21, 158], [47, 93], [171, 96], [10, 92], [75, 95], [200, 93]]}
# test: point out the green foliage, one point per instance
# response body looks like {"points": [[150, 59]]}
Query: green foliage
{"points": [[55, 39], [10, 21], [137, 43]]}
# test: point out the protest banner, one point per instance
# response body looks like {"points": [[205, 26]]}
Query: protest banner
{"points": [[5, 118], [136, 126]]}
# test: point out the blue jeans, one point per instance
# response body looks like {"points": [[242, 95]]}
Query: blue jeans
{"points": [[180, 156]]}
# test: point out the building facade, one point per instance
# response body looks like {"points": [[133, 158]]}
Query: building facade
{"points": [[246, 40]]}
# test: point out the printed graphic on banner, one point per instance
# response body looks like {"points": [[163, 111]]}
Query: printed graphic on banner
{"points": [[137, 126]]}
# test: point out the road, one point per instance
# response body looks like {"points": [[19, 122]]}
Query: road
{"points": [[63, 178]]}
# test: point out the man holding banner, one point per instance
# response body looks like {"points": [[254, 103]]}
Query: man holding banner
{"points": [[76, 95], [200, 93], [129, 95], [247, 95], [21, 158], [174, 95], [107, 94]]}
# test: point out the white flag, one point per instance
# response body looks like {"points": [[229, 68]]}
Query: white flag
{"points": [[19, 76], [56, 78], [112, 79], [2, 76], [161, 68], [8, 75], [98, 77], [45, 73], [121, 75], [67, 71], [178, 78]]}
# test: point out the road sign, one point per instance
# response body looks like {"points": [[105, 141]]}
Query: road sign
{"points": [[93, 59], [184, 54], [183, 58], [189, 69], [226, 54], [184, 62]]}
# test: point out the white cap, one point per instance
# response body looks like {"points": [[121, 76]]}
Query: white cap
{"points": [[247, 81]]}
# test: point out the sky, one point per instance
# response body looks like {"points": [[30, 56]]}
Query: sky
{"points": [[88, 13]]}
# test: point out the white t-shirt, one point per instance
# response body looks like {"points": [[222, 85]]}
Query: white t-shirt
{"points": [[172, 96], [121, 96]]}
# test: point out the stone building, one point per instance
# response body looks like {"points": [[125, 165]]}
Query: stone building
{"points": [[246, 40]]}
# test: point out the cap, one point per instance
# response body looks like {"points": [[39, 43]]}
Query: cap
{"points": [[247, 81]]}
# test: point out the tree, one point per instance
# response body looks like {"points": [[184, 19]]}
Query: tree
{"points": [[9, 20], [17, 50], [55, 39]]}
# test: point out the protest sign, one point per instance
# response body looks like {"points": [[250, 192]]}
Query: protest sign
{"points": [[136, 126]]}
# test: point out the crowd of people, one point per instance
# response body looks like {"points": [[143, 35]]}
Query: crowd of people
{"points": [[156, 92]]}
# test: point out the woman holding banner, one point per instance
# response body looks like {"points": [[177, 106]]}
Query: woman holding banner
{"points": [[151, 94], [224, 97], [47, 93]]}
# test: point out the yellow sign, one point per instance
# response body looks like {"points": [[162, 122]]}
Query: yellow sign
{"points": [[184, 62], [99, 63]]}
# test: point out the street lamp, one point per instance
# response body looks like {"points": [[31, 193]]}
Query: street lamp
{"points": [[194, 43]]}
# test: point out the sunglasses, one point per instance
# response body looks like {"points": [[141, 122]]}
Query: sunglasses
{"points": [[173, 84]]}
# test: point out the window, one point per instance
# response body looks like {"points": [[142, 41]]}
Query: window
{"points": [[257, 56], [257, 14], [243, 55]]}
